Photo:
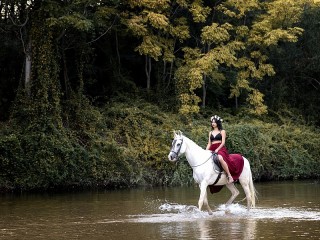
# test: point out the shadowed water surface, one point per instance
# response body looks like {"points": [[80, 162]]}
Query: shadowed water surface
{"points": [[285, 210]]}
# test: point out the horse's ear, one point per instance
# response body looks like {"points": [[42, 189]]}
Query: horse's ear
{"points": [[180, 133], [174, 133]]}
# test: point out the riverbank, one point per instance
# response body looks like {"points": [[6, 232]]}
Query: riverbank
{"points": [[125, 144]]}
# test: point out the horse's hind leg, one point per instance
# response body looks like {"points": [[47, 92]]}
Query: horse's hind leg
{"points": [[234, 191], [246, 190]]}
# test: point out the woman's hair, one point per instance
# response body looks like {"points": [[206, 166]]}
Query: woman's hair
{"points": [[218, 121]]}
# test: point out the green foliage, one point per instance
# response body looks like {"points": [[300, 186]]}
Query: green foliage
{"points": [[276, 151], [143, 132], [56, 136], [126, 143]]}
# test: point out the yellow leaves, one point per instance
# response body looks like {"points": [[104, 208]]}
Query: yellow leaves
{"points": [[238, 8], [142, 24], [244, 63], [243, 80], [264, 69], [274, 26], [195, 79], [255, 99], [167, 49], [226, 11], [150, 47], [190, 53], [234, 40], [254, 70], [215, 34], [189, 79], [264, 34], [223, 55], [137, 26], [277, 24], [206, 63], [156, 46], [181, 31], [157, 20], [286, 12], [189, 103], [273, 36], [242, 31], [199, 13], [151, 23], [150, 4], [295, 32]]}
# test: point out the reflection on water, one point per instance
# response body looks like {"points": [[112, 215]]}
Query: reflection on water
{"points": [[285, 210]]}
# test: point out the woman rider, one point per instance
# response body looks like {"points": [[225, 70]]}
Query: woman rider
{"points": [[216, 143]]}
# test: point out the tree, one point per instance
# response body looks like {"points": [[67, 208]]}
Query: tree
{"points": [[298, 71], [159, 26], [236, 38]]}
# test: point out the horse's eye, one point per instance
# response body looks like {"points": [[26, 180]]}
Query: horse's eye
{"points": [[178, 145]]}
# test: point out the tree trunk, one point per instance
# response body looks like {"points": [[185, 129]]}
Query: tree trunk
{"points": [[148, 71], [27, 69], [204, 91], [118, 53], [236, 102]]}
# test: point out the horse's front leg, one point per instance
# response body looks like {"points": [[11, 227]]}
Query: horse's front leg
{"points": [[203, 199]]}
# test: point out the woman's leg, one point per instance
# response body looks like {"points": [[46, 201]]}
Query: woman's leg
{"points": [[225, 168]]}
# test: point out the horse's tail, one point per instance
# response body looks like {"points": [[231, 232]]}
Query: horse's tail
{"points": [[253, 192]]}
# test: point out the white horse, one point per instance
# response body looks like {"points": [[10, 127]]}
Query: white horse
{"points": [[204, 172]]}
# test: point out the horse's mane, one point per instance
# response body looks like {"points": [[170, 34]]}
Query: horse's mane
{"points": [[193, 143]]}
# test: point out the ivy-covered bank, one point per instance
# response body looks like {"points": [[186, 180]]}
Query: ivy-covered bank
{"points": [[126, 143]]}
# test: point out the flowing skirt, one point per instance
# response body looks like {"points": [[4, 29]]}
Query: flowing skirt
{"points": [[234, 161], [223, 152]]}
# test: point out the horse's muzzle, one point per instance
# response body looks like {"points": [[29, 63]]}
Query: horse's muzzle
{"points": [[172, 158]]}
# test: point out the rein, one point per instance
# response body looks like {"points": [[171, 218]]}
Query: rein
{"points": [[214, 168], [177, 154], [201, 163]]}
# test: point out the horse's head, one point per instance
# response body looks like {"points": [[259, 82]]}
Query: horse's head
{"points": [[178, 146]]}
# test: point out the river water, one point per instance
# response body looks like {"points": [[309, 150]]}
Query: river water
{"points": [[284, 210]]}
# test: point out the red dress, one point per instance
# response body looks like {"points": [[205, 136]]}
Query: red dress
{"points": [[234, 161], [223, 152]]}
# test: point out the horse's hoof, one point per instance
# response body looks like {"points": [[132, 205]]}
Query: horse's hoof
{"points": [[227, 211], [210, 212]]}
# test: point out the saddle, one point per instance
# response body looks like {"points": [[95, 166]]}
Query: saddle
{"points": [[216, 162]]}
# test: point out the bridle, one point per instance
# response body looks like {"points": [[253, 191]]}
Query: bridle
{"points": [[178, 151], [173, 145]]}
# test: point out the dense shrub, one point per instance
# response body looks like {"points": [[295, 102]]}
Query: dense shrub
{"points": [[126, 143]]}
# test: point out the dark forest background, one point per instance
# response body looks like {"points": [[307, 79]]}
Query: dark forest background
{"points": [[92, 90]]}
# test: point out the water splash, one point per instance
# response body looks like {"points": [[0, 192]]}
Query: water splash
{"points": [[174, 212]]}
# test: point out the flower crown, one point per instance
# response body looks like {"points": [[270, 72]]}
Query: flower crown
{"points": [[215, 117]]}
